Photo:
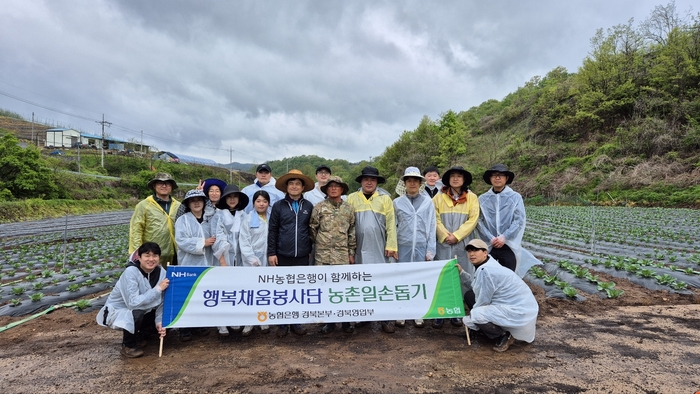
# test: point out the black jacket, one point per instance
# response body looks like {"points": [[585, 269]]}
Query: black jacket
{"points": [[288, 232]]}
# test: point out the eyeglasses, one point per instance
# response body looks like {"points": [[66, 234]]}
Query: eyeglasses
{"points": [[324, 173], [162, 183], [497, 175]]}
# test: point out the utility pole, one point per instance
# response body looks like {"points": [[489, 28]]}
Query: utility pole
{"points": [[102, 149], [141, 141], [80, 145], [230, 164], [33, 130]]}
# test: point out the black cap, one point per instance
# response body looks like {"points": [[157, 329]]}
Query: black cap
{"points": [[323, 167], [264, 167]]}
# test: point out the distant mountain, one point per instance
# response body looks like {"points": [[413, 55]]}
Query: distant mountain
{"points": [[238, 166]]}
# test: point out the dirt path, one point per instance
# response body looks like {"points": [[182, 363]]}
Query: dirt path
{"points": [[595, 346]]}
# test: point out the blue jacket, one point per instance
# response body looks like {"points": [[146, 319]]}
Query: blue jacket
{"points": [[288, 231]]}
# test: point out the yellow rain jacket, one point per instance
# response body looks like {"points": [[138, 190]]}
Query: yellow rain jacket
{"points": [[150, 223], [375, 227], [460, 220]]}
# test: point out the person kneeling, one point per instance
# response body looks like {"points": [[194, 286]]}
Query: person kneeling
{"points": [[501, 305], [135, 305]]}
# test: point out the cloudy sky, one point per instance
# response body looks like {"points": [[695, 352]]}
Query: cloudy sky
{"points": [[273, 79]]}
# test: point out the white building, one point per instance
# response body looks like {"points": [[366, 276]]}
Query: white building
{"points": [[67, 138]]}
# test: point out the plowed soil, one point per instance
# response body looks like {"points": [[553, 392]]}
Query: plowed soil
{"points": [[644, 342]]}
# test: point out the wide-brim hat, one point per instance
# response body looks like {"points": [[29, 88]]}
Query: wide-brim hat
{"points": [[208, 183], [162, 177], [499, 168], [281, 183], [192, 194], [459, 169], [231, 189], [338, 180], [477, 244], [370, 172], [413, 172]]}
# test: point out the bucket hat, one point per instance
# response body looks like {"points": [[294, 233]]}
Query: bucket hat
{"points": [[208, 183], [162, 177], [339, 181], [370, 172], [459, 169], [192, 194], [410, 172], [498, 168], [281, 183], [231, 189]]}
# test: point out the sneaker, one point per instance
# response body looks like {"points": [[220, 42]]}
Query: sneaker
{"points": [[437, 323], [328, 328], [236, 328], [282, 330], [131, 352], [265, 329], [388, 327], [419, 323], [247, 330], [348, 327], [456, 322], [223, 331], [298, 329], [503, 342], [400, 323]]}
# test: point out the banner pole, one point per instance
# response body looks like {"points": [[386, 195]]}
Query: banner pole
{"points": [[466, 329], [160, 348]]}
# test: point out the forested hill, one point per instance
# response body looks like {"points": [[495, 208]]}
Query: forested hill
{"points": [[625, 126]]}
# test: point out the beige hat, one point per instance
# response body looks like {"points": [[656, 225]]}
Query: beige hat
{"points": [[477, 244], [281, 183]]}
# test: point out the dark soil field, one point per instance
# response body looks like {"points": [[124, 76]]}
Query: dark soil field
{"points": [[646, 342]]}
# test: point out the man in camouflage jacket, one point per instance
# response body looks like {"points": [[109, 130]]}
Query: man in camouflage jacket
{"points": [[332, 226]]}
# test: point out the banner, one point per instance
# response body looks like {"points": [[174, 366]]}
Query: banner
{"points": [[243, 296]]}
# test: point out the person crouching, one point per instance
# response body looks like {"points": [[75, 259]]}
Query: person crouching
{"points": [[501, 305], [135, 304]]}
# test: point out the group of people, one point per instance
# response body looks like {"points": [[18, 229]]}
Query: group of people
{"points": [[293, 221]]}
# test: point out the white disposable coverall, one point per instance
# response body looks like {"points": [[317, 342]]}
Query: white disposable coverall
{"points": [[504, 214], [502, 298], [415, 228], [190, 236], [252, 241], [227, 230]]}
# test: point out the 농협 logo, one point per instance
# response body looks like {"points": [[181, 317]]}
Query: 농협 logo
{"points": [[262, 316], [441, 310]]}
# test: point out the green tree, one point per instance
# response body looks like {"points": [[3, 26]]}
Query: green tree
{"points": [[452, 139], [23, 172]]}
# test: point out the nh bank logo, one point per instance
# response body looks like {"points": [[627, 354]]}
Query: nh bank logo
{"points": [[262, 317], [442, 311]]}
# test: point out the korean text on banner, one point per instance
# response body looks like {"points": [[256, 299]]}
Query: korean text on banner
{"points": [[227, 296]]}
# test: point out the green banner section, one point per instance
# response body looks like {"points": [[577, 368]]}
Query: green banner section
{"points": [[447, 300]]}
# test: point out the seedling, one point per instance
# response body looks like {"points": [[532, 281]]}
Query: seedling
{"points": [[17, 290], [74, 287], [37, 297], [15, 301], [82, 304], [614, 293], [570, 291]]}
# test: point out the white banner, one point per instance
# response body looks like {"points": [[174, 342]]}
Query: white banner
{"points": [[228, 296]]}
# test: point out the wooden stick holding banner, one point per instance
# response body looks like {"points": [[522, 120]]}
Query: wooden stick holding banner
{"points": [[466, 329], [160, 348]]}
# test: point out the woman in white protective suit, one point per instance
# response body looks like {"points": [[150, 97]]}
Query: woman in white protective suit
{"points": [[502, 221], [189, 232], [252, 240], [415, 222]]}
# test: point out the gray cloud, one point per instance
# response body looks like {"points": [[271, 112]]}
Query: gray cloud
{"points": [[275, 79]]}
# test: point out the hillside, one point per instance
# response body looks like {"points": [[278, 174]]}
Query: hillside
{"points": [[624, 128]]}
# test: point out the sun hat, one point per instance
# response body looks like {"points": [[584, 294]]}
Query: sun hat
{"points": [[231, 189], [477, 244], [370, 172], [412, 172], [192, 194], [467, 175], [498, 168], [281, 183], [162, 177], [208, 183], [339, 181]]}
